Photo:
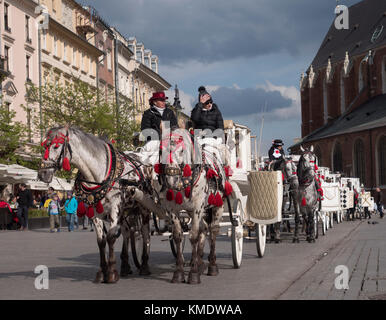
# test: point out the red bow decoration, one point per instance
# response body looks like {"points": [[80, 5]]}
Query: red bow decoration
{"points": [[304, 202], [218, 200]]}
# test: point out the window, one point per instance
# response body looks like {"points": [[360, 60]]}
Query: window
{"points": [[82, 61], [139, 55], [109, 59], [101, 49], [6, 57], [27, 68], [154, 66], [359, 160], [6, 17], [361, 79], [325, 105], [55, 46], [64, 51], [382, 160], [27, 35], [74, 63], [337, 158], [147, 61], [342, 95]]}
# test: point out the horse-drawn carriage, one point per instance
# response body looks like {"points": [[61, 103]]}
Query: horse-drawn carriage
{"points": [[237, 220], [119, 192]]}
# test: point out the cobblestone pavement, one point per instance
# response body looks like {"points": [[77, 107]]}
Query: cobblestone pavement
{"points": [[288, 271]]}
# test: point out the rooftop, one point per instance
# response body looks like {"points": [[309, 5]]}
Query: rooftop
{"points": [[367, 30]]}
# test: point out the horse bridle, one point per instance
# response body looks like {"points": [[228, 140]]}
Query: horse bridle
{"points": [[57, 140]]}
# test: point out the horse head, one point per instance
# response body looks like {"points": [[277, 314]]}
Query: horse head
{"points": [[176, 156], [57, 150], [288, 168], [307, 164]]}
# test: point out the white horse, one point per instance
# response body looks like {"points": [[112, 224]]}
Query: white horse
{"points": [[101, 186], [197, 188]]}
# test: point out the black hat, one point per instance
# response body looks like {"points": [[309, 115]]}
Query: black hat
{"points": [[278, 142], [202, 91]]}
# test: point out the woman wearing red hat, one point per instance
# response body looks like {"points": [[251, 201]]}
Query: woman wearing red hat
{"points": [[152, 119]]}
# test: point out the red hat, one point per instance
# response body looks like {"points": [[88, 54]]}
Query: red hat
{"points": [[158, 96]]}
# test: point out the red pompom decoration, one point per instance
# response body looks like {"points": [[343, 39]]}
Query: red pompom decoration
{"points": [[81, 209], [99, 207], [323, 177], [282, 176], [46, 153], [320, 190], [210, 174], [187, 192], [157, 168], [239, 164], [304, 202], [170, 195], [211, 199], [228, 188], [66, 164], [218, 200], [316, 168], [113, 141], [90, 212], [187, 171], [179, 198], [228, 171]]}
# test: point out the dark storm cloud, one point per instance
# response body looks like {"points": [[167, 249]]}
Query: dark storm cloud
{"points": [[207, 31], [235, 102]]}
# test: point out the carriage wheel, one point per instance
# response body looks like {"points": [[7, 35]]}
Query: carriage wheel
{"points": [[173, 245], [136, 241], [261, 237], [237, 238]]}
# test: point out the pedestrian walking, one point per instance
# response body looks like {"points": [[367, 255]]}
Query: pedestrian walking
{"points": [[24, 199], [53, 211], [378, 199], [70, 206]]}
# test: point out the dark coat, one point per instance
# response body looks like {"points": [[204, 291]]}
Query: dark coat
{"points": [[270, 154], [25, 198], [152, 119], [211, 119]]}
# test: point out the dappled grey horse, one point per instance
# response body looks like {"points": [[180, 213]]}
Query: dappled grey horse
{"points": [[198, 189], [308, 196], [100, 187]]}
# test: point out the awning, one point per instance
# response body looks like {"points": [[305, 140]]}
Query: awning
{"points": [[15, 174]]}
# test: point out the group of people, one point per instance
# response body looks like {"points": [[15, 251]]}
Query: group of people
{"points": [[18, 206]]}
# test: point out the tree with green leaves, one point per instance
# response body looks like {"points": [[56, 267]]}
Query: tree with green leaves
{"points": [[11, 135], [78, 104]]}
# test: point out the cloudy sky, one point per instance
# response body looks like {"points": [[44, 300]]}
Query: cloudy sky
{"points": [[247, 53]]}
